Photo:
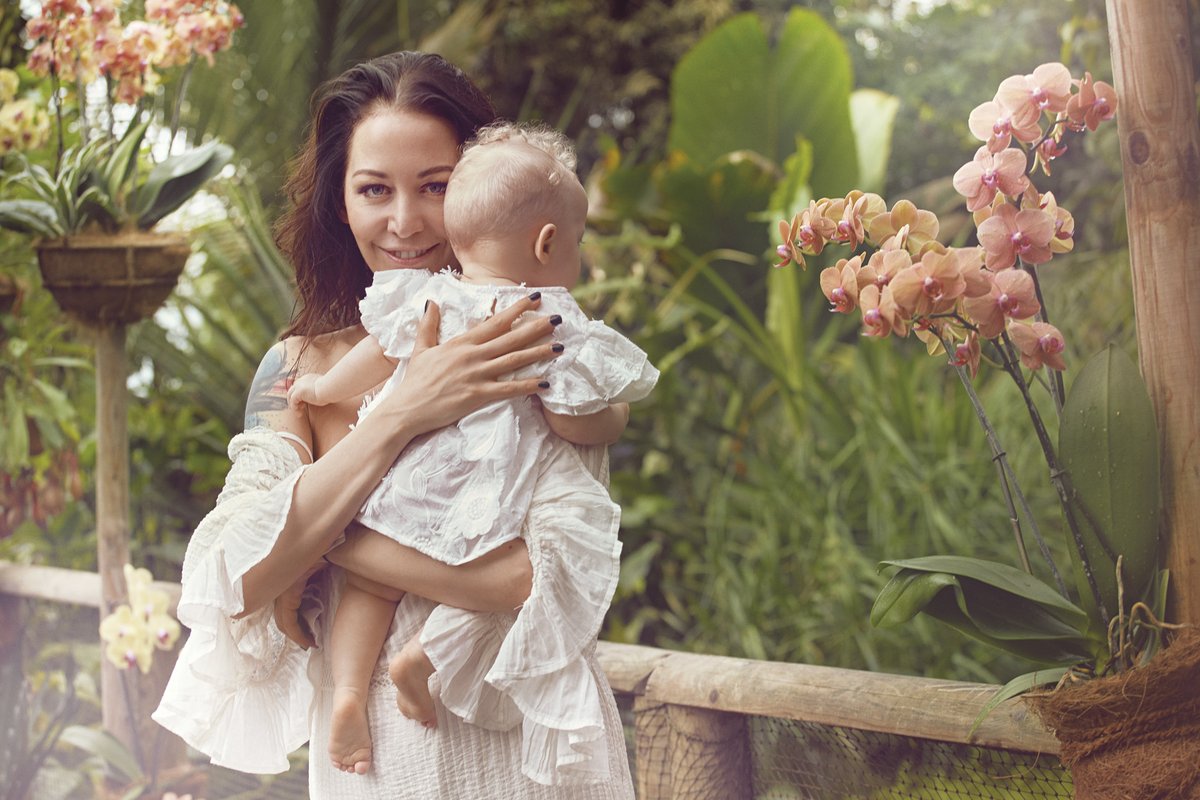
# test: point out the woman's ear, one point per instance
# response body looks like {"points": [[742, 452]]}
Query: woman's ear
{"points": [[544, 242]]}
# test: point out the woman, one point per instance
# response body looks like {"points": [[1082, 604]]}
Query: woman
{"points": [[365, 196]]}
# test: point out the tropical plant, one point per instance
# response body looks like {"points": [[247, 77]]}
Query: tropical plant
{"points": [[98, 183], [959, 300]]}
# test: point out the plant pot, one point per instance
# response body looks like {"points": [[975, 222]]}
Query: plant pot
{"points": [[1134, 735], [101, 279]]}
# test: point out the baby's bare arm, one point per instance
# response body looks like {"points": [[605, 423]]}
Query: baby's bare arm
{"points": [[602, 427]]}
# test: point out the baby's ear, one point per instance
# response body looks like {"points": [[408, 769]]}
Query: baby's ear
{"points": [[544, 243]]}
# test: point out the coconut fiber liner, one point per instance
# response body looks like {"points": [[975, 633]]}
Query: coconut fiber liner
{"points": [[1134, 736]]}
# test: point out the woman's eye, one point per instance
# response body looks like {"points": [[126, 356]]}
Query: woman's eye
{"points": [[437, 187], [372, 190]]}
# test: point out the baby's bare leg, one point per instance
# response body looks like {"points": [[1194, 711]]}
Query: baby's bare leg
{"points": [[360, 627], [410, 670]]}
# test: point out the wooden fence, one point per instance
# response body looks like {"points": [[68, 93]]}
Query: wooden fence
{"points": [[692, 713]]}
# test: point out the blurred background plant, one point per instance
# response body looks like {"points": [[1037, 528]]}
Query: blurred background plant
{"points": [[778, 460]]}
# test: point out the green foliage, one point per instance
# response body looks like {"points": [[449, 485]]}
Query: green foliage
{"points": [[733, 91]]}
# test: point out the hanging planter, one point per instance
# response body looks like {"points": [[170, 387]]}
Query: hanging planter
{"points": [[1136, 734], [103, 279]]}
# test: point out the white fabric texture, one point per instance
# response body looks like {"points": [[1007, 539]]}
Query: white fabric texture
{"points": [[240, 691], [464, 490], [460, 492], [246, 696]]}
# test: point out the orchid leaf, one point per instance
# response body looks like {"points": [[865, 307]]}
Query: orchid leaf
{"points": [[30, 216], [173, 181], [1018, 686], [1003, 577], [1108, 443], [995, 603]]}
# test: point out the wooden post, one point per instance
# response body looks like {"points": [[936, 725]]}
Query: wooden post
{"points": [[112, 509], [708, 754], [1160, 151], [127, 697]]}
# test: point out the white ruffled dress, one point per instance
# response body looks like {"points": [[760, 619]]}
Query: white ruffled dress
{"points": [[459, 492], [247, 696]]}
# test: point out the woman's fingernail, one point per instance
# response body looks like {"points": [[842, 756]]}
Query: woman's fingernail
{"points": [[535, 296], [544, 384], [556, 320], [426, 306], [557, 347]]}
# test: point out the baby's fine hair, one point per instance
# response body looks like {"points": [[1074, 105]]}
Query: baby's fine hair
{"points": [[511, 177]]}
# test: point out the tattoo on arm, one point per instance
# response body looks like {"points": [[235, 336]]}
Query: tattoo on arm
{"points": [[268, 390]]}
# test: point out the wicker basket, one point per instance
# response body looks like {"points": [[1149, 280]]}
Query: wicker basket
{"points": [[101, 279]]}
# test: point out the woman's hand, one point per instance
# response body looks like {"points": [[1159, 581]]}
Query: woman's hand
{"points": [[445, 382]]}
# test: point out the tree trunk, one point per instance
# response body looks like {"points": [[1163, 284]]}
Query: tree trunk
{"points": [[1160, 150]]}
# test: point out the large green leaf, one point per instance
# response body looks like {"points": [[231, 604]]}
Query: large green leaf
{"points": [[992, 602], [733, 91], [1108, 444], [873, 114], [30, 216]]}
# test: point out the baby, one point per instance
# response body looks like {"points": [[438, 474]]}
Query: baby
{"points": [[515, 215]]}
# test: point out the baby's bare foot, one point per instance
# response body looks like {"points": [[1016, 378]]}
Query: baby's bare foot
{"points": [[350, 732], [410, 671]]}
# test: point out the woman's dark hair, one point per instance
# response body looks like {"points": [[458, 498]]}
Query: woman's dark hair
{"points": [[331, 276]]}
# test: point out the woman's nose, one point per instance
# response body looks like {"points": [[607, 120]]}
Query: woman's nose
{"points": [[404, 218]]}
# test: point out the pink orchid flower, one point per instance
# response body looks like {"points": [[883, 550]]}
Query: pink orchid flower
{"points": [[917, 225], [1040, 343], [1047, 89], [996, 124], [980, 179], [840, 284], [930, 286], [1063, 240], [967, 354], [1010, 234], [883, 265], [1095, 102], [1012, 296], [880, 315]]}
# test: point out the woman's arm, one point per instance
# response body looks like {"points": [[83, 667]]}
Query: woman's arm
{"points": [[603, 427], [442, 384], [498, 581]]}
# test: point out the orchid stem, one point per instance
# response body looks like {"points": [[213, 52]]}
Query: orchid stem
{"points": [[1057, 474], [1008, 481]]}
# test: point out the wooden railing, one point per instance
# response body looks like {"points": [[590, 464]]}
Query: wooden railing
{"points": [[701, 704]]}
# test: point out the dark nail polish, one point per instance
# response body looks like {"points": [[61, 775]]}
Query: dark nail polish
{"points": [[426, 306], [556, 320], [544, 385], [535, 296], [557, 347]]}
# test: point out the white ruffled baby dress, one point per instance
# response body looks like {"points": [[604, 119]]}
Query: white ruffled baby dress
{"points": [[461, 491]]}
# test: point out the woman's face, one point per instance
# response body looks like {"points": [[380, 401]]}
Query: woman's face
{"points": [[396, 173]]}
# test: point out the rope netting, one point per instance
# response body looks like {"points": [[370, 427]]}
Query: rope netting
{"points": [[780, 759]]}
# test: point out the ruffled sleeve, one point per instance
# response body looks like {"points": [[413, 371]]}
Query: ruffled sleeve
{"points": [[240, 691], [392, 309], [496, 671], [598, 367]]}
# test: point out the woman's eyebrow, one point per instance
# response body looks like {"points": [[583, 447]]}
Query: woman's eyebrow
{"points": [[425, 173]]}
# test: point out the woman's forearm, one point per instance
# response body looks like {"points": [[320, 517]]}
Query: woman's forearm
{"points": [[498, 581], [324, 502]]}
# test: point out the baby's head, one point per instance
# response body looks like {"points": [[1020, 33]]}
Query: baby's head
{"points": [[514, 201]]}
